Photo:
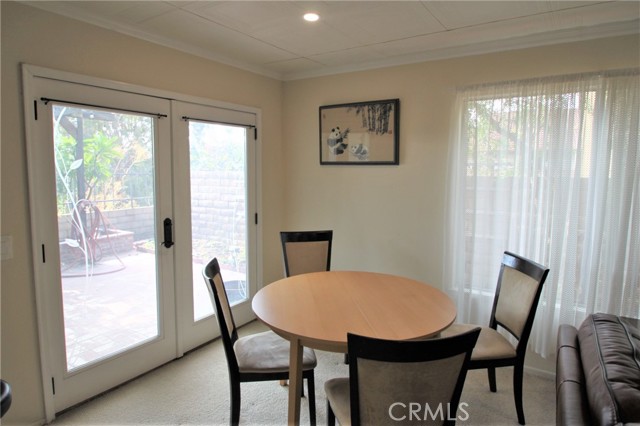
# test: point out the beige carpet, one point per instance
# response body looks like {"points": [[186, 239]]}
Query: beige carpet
{"points": [[194, 390]]}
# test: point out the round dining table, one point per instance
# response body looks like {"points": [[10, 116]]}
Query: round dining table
{"points": [[318, 309]]}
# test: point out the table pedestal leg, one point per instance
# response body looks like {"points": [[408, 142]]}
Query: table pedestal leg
{"points": [[295, 382]]}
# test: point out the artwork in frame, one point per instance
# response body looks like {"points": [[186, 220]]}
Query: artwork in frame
{"points": [[360, 133]]}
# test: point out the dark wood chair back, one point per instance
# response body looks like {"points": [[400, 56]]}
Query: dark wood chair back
{"points": [[306, 251], [517, 295], [386, 377], [222, 310]]}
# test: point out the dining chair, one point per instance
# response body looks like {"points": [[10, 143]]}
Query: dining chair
{"points": [[515, 303], [257, 357], [388, 377], [306, 251]]}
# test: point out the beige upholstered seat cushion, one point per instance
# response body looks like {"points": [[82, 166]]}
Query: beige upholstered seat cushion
{"points": [[490, 345], [337, 391], [268, 352]]}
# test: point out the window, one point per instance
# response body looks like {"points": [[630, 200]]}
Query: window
{"points": [[550, 169]]}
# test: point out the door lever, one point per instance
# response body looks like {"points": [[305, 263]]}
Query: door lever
{"points": [[168, 233]]}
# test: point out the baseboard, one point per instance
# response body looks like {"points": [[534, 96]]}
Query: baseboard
{"points": [[551, 375]]}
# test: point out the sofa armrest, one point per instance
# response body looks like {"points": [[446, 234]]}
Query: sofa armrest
{"points": [[571, 400]]}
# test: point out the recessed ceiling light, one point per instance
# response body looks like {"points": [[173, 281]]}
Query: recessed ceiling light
{"points": [[311, 17]]}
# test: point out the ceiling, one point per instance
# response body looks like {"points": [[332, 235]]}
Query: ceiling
{"points": [[271, 38]]}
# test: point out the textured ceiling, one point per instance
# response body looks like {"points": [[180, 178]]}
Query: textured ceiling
{"points": [[271, 38]]}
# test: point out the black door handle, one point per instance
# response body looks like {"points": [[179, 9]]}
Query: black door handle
{"points": [[168, 233]]}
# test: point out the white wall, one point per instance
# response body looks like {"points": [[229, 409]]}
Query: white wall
{"points": [[385, 218]]}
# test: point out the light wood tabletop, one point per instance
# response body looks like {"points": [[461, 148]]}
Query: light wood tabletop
{"points": [[317, 310]]}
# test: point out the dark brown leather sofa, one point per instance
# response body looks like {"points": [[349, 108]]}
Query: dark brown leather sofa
{"points": [[598, 372]]}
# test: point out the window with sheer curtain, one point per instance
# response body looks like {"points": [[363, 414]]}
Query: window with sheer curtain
{"points": [[549, 169]]}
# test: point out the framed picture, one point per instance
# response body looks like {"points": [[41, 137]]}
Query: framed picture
{"points": [[361, 133]]}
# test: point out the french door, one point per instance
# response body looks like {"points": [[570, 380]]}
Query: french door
{"points": [[130, 195], [214, 175]]}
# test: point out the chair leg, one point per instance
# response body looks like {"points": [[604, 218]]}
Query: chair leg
{"points": [[331, 417], [235, 403], [311, 388], [517, 390], [491, 372]]}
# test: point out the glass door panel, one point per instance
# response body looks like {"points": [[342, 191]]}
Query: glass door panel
{"points": [[99, 189], [106, 229], [218, 162], [214, 165]]}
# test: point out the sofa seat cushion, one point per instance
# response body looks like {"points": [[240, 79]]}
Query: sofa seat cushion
{"points": [[610, 354]]}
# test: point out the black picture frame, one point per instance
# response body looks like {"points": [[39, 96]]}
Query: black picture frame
{"points": [[360, 133]]}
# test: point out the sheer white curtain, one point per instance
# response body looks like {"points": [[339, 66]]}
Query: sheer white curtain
{"points": [[549, 169]]}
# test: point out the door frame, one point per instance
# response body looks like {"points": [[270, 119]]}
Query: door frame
{"points": [[29, 74]]}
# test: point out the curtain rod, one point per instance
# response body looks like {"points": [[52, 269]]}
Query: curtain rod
{"points": [[157, 114]]}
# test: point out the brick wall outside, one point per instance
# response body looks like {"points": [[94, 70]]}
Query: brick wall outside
{"points": [[221, 217], [218, 216]]}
